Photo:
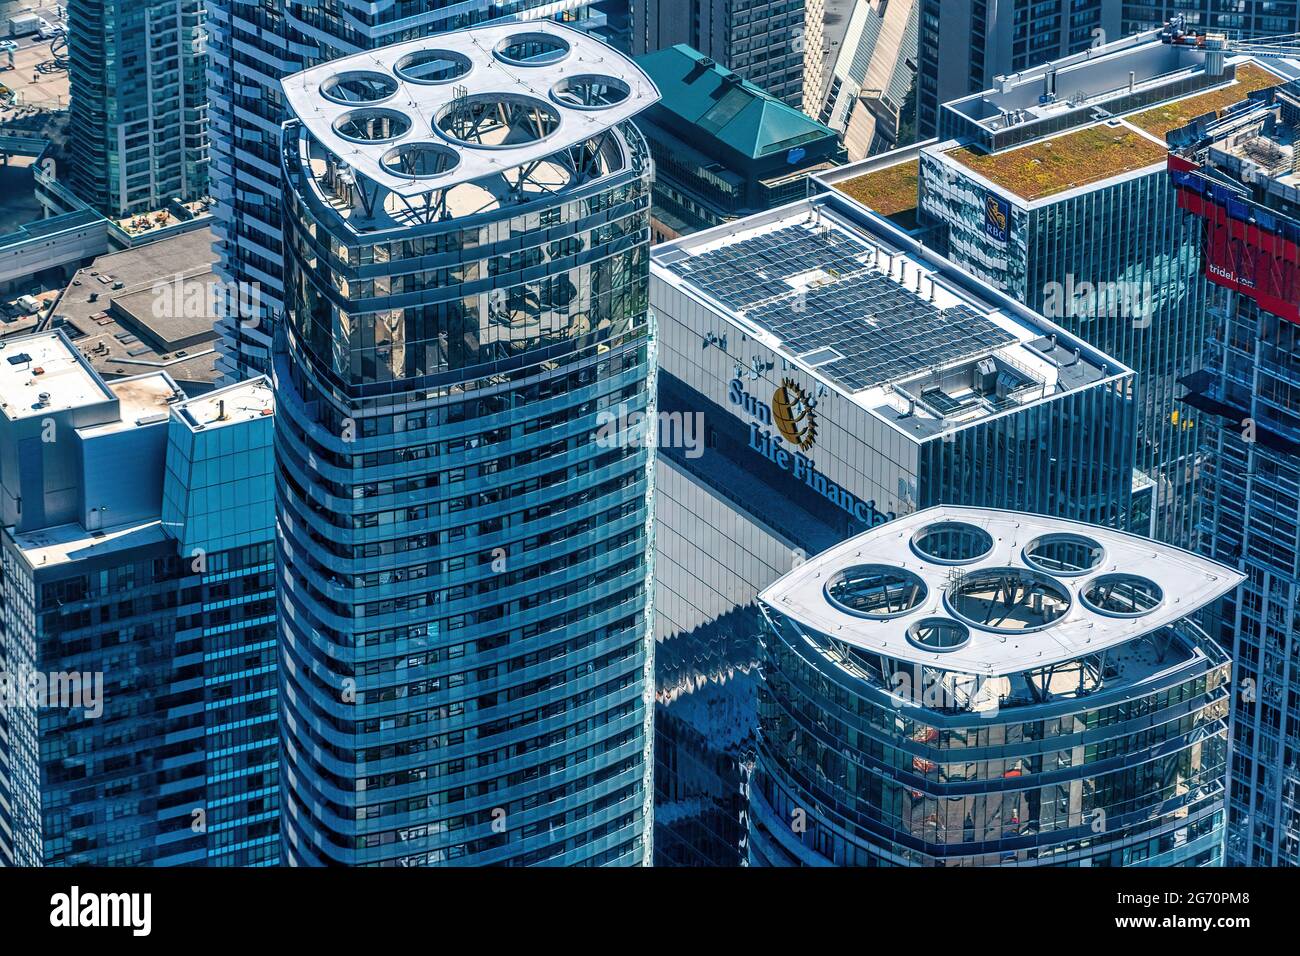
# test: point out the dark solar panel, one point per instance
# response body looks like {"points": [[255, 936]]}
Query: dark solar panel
{"points": [[883, 331]]}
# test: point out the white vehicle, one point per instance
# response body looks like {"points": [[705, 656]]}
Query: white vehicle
{"points": [[46, 29], [22, 24]]}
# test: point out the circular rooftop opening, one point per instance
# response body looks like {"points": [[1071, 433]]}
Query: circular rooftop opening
{"points": [[1123, 595], [372, 125], [939, 634], [358, 87], [1064, 554], [1008, 600], [952, 542], [498, 120], [432, 66], [531, 49], [419, 160], [590, 92], [875, 590]]}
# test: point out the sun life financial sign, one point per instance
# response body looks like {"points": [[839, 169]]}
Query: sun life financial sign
{"points": [[797, 424]]}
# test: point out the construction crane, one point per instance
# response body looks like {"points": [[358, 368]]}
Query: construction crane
{"points": [[1218, 45]]}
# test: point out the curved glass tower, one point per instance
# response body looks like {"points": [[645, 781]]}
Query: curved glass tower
{"points": [[465, 560], [968, 687]]}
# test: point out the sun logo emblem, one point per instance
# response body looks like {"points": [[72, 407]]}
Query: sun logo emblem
{"points": [[794, 415]]}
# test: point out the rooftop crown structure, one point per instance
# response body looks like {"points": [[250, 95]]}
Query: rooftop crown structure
{"points": [[966, 686], [414, 132]]}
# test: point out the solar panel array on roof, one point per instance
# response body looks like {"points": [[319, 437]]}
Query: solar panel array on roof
{"points": [[883, 331], [744, 273]]}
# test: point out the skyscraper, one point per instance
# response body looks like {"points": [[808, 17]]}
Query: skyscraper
{"points": [[137, 657], [766, 43], [1052, 186], [836, 374], [252, 46], [138, 136], [868, 72], [1236, 179], [964, 45], [464, 497], [968, 687]]}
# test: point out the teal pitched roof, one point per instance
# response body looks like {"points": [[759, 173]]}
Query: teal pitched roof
{"points": [[703, 94]]}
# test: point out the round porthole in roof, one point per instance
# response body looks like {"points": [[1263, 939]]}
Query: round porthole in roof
{"points": [[372, 125], [420, 160], [1122, 595], [940, 634], [952, 542], [875, 591], [1065, 555], [531, 49], [358, 88], [497, 120], [590, 92], [1008, 600], [432, 67]]}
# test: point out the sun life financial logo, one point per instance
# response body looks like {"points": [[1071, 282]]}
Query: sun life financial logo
{"points": [[795, 419], [791, 413]]}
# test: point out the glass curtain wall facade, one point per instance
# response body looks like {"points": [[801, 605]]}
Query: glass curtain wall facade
{"points": [[877, 752], [1128, 235], [138, 103], [1249, 391], [901, 421], [465, 555], [1240, 18], [1076, 218], [161, 620], [252, 46]]}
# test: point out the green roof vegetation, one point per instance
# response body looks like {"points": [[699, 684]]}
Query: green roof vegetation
{"points": [[1161, 119], [890, 191], [1065, 162]]}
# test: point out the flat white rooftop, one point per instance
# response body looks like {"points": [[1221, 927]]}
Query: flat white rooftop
{"points": [[1081, 590], [50, 547], [369, 109], [241, 402], [45, 363], [886, 327]]}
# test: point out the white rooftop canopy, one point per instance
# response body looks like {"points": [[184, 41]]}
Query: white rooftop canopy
{"points": [[414, 84], [1086, 616]]}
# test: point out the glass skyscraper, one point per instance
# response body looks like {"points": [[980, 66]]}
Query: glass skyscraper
{"points": [[464, 495], [835, 374], [138, 590], [969, 687], [251, 46], [1035, 191], [138, 103], [1236, 181]]}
